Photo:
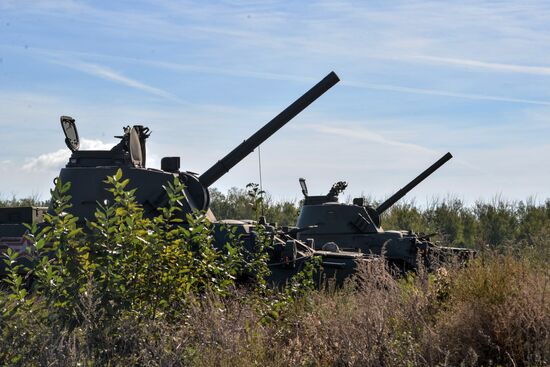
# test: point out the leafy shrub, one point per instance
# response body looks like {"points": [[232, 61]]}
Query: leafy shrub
{"points": [[123, 268], [136, 263]]}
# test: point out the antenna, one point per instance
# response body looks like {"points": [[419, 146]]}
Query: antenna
{"points": [[260, 171]]}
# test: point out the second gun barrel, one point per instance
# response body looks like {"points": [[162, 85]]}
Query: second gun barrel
{"points": [[421, 177]]}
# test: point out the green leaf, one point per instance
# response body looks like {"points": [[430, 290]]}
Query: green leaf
{"points": [[118, 174]]}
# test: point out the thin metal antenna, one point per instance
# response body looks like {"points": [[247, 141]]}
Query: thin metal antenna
{"points": [[260, 171]]}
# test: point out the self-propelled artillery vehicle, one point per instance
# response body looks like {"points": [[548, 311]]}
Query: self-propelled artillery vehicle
{"points": [[86, 170], [357, 227]]}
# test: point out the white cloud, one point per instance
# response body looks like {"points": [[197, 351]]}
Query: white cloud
{"points": [[87, 144], [55, 160], [47, 161], [374, 86]]}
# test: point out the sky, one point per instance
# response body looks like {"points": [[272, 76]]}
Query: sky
{"points": [[418, 79]]}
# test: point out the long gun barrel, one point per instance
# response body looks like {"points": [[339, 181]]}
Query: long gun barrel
{"points": [[421, 177], [247, 146]]}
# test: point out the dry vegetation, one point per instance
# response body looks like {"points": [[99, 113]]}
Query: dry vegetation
{"points": [[493, 312]]}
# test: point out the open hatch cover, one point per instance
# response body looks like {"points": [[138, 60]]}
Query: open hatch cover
{"points": [[136, 151], [71, 134]]}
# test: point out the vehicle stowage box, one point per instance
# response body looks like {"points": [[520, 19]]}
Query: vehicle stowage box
{"points": [[25, 214]]}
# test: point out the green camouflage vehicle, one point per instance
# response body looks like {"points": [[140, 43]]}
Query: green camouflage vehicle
{"points": [[357, 227], [87, 170]]}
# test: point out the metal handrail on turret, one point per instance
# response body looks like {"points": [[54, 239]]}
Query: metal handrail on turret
{"points": [[221, 167]]}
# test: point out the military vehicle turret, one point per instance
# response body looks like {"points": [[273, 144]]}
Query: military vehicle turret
{"points": [[87, 170], [357, 227]]}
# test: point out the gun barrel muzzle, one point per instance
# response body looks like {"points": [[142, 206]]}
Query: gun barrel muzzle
{"points": [[246, 147], [411, 185]]}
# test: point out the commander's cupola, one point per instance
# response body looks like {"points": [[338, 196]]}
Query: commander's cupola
{"points": [[331, 197], [129, 152]]}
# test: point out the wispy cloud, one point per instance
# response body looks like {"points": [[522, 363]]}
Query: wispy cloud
{"points": [[106, 73], [364, 134], [367, 135], [489, 66], [443, 93]]}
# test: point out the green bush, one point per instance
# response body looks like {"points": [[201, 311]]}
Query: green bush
{"points": [[120, 264], [88, 280], [135, 263]]}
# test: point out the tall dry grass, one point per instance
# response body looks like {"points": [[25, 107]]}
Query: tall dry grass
{"points": [[495, 311]]}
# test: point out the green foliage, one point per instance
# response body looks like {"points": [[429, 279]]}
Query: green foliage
{"points": [[132, 263], [15, 299], [33, 200], [121, 264], [491, 313], [236, 204], [272, 304], [497, 221], [406, 216], [128, 290], [256, 197], [496, 224]]}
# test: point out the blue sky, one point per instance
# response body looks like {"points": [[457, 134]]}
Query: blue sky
{"points": [[419, 78]]}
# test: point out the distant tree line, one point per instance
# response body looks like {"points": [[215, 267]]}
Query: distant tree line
{"points": [[239, 204], [28, 201], [493, 223]]}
